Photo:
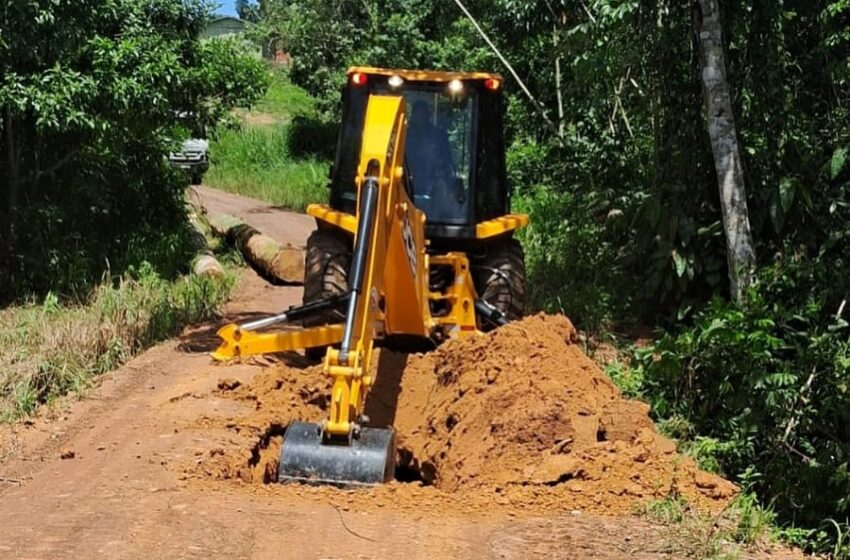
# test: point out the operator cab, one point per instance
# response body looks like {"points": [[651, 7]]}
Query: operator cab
{"points": [[455, 153]]}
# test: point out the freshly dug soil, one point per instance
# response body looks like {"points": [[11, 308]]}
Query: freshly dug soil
{"points": [[519, 417], [523, 412]]}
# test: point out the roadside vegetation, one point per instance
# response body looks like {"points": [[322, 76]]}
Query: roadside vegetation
{"points": [[95, 240], [283, 99], [274, 152], [51, 348], [689, 533], [616, 162]]}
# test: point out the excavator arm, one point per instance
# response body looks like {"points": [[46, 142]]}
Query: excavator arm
{"points": [[389, 229], [342, 451], [380, 194]]}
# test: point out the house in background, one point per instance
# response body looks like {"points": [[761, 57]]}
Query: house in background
{"points": [[224, 26], [228, 26]]}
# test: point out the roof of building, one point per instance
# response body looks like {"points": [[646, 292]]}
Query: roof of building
{"points": [[223, 18]]}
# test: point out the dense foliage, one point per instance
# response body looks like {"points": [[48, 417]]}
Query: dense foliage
{"points": [[615, 167], [769, 386], [92, 97]]}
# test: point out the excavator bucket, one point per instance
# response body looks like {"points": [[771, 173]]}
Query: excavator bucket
{"points": [[305, 457]]}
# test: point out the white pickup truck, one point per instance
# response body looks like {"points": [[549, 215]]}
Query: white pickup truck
{"points": [[193, 158]]}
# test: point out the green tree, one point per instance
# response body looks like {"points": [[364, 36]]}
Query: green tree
{"points": [[90, 95], [247, 10]]}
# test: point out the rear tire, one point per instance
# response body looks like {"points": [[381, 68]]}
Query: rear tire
{"points": [[326, 266], [500, 279]]}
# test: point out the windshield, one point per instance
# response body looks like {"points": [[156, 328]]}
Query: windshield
{"points": [[438, 156], [439, 138]]}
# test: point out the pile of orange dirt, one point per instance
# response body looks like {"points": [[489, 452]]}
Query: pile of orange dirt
{"points": [[519, 416]]}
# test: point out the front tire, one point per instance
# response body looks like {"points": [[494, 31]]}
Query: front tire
{"points": [[326, 266], [500, 279]]}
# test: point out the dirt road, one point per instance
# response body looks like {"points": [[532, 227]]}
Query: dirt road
{"points": [[105, 476]]}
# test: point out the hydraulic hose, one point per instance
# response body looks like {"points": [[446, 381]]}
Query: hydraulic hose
{"points": [[357, 276]]}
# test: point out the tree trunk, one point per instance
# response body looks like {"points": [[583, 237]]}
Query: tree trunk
{"points": [[14, 182], [558, 93], [720, 118], [204, 263], [275, 262]]}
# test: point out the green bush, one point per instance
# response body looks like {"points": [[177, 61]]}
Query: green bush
{"points": [[312, 137], [767, 388], [285, 99], [571, 267]]}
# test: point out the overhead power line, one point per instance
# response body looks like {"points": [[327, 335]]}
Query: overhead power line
{"points": [[510, 68]]}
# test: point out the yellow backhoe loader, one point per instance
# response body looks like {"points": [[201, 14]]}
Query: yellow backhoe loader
{"points": [[416, 245]]}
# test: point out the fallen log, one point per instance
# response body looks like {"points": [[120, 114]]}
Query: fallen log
{"points": [[204, 263], [207, 265], [279, 264]]}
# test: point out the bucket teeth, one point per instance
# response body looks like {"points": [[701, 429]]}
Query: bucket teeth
{"points": [[369, 458]]}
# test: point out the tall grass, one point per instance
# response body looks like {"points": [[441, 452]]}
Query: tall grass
{"points": [[257, 159], [284, 99], [50, 349], [255, 162]]}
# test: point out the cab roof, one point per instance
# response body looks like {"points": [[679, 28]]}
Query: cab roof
{"points": [[424, 75]]}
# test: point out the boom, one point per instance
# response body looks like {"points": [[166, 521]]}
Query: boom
{"points": [[389, 263], [381, 199]]}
